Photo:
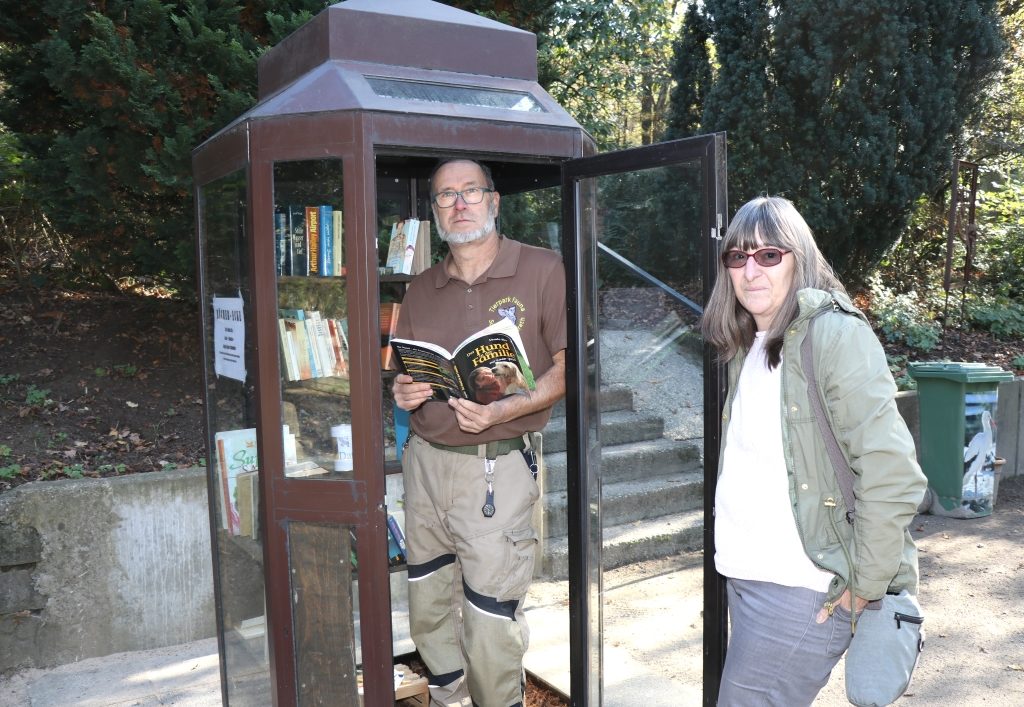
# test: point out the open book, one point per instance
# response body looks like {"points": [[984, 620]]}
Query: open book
{"points": [[488, 365]]}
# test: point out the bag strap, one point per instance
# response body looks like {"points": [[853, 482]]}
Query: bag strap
{"points": [[844, 475]]}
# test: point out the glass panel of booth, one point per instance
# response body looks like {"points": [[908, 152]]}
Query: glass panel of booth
{"points": [[405, 248], [231, 409], [434, 92], [649, 271], [312, 319]]}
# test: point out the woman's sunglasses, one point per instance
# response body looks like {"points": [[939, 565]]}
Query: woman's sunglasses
{"points": [[766, 257]]}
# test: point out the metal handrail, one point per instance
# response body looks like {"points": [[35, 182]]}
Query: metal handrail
{"points": [[637, 270]]}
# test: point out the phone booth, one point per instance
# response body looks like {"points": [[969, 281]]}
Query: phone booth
{"points": [[299, 202]]}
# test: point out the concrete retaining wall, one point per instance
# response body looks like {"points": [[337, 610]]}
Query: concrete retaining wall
{"points": [[91, 567]]}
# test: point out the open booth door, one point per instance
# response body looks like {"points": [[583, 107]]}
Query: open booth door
{"points": [[647, 609]]}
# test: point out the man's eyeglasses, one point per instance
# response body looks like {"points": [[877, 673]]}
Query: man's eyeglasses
{"points": [[765, 257], [473, 195]]}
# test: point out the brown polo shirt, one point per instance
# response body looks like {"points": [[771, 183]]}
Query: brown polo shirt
{"points": [[525, 284]]}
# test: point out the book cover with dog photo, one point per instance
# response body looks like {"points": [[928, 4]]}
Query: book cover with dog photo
{"points": [[487, 366]]}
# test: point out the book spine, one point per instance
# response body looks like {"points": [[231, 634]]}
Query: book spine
{"points": [[339, 238], [396, 532], [323, 340], [326, 241], [282, 263], [412, 229], [303, 353], [287, 364], [341, 366], [297, 240], [422, 260], [314, 354], [388, 325], [396, 247], [395, 556], [293, 356], [313, 238], [225, 495]]}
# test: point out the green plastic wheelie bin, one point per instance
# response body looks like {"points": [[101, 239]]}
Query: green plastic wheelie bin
{"points": [[958, 434]]}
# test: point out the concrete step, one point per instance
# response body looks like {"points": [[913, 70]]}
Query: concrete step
{"points": [[654, 457], [629, 501], [613, 397], [635, 541], [617, 427]]}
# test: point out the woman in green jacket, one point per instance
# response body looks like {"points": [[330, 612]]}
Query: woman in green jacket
{"points": [[797, 570]]}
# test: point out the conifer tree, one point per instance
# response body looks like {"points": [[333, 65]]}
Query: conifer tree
{"points": [[852, 108], [691, 72], [109, 99]]}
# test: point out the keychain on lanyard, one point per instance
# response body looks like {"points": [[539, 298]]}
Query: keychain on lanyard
{"points": [[488, 508]]}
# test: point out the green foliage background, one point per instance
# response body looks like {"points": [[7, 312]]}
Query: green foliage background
{"points": [[105, 102], [854, 111]]}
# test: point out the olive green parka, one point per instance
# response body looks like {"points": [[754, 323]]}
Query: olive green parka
{"points": [[875, 553]]}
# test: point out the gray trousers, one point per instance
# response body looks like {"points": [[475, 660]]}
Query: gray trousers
{"points": [[468, 574], [778, 654]]}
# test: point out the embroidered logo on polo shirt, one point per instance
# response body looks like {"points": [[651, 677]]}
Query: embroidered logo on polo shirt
{"points": [[510, 308]]}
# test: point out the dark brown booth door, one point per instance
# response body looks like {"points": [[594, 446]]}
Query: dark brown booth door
{"points": [[642, 229]]}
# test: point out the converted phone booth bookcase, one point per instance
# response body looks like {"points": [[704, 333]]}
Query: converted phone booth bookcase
{"points": [[298, 203]]}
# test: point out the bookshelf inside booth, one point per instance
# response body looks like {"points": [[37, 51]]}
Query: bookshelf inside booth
{"points": [[402, 209], [403, 196], [312, 319], [311, 292]]}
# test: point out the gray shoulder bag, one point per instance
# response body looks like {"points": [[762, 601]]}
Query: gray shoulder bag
{"points": [[889, 636]]}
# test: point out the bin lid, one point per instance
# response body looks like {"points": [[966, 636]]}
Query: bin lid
{"points": [[959, 371]]}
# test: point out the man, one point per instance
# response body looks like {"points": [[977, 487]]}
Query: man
{"points": [[469, 490]]}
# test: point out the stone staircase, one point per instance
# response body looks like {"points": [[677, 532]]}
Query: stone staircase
{"points": [[652, 488]]}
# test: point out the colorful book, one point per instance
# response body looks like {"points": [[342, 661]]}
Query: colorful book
{"points": [[236, 453], [401, 430], [488, 365], [388, 325], [396, 532], [313, 239], [340, 364], [326, 241], [396, 247], [396, 553], [411, 227], [325, 352], [296, 327]]}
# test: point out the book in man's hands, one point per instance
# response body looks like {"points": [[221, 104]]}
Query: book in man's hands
{"points": [[488, 365]]}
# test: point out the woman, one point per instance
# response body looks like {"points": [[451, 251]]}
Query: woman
{"points": [[793, 563]]}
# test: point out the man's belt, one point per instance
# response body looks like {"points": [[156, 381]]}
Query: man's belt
{"points": [[492, 450]]}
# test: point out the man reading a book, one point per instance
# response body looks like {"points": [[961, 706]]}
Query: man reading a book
{"points": [[469, 468]]}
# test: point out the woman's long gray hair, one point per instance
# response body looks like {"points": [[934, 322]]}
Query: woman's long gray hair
{"points": [[764, 221]]}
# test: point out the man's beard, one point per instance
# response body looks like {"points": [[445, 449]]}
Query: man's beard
{"points": [[462, 237]]}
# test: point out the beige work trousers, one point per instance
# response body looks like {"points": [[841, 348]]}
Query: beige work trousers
{"points": [[468, 574]]}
